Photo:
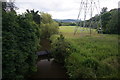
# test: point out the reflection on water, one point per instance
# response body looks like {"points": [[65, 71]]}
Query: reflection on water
{"points": [[49, 69]]}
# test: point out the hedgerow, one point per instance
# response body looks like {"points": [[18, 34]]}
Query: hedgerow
{"points": [[20, 41]]}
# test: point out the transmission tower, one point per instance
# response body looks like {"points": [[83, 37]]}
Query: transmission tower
{"points": [[87, 9], [11, 5]]}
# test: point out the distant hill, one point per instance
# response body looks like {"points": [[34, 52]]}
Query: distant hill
{"points": [[65, 20]]}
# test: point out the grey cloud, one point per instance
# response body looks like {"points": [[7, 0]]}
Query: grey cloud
{"points": [[58, 8]]}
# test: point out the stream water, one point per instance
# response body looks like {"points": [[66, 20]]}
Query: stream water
{"points": [[49, 69]]}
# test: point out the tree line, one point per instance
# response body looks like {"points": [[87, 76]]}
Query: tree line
{"points": [[21, 35], [109, 21]]}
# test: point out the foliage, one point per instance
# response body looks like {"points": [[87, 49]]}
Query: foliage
{"points": [[104, 9], [61, 49], [35, 15], [95, 55], [112, 26], [8, 6], [109, 20], [93, 58], [20, 42], [67, 23], [48, 26], [105, 19]]}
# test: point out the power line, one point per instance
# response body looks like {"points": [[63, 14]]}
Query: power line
{"points": [[87, 6]]}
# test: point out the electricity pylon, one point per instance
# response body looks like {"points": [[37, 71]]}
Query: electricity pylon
{"points": [[87, 9], [11, 5]]}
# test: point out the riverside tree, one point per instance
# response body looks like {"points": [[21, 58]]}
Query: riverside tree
{"points": [[20, 41], [48, 26], [61, 49]]}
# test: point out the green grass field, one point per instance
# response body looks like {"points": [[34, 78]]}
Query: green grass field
{"points": [[68, 31], [96, 55]]}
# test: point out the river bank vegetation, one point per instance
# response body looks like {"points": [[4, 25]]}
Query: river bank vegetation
{"points": [[84, 55]]}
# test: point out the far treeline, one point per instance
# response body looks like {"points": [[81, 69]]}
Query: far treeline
{"points": [[22, 33], [21, 36], [109, 21]]}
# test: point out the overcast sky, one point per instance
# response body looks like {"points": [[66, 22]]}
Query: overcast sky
{"points": [[60, 9]]}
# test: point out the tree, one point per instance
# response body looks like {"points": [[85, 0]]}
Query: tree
{"points": [[104, 9], [112, 25], [110, 21], [20, 41], [9, 6], [48, 26], [61, 49], [36, 16], [118, 20], [105, 19]]}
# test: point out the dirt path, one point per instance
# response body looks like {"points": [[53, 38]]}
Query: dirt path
{"points": [[49, 69]]}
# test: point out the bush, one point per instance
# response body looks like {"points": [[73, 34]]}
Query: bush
{"points": [[48, 26], [81, 67], [20, 42], [61, 49], [110, 21]]}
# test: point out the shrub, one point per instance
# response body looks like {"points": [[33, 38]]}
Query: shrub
{"points": [[20, 42], [81, 67], [48, 26], [61, 49]]}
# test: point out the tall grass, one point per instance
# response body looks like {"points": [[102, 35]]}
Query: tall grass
{"points": [[96, 55]]}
